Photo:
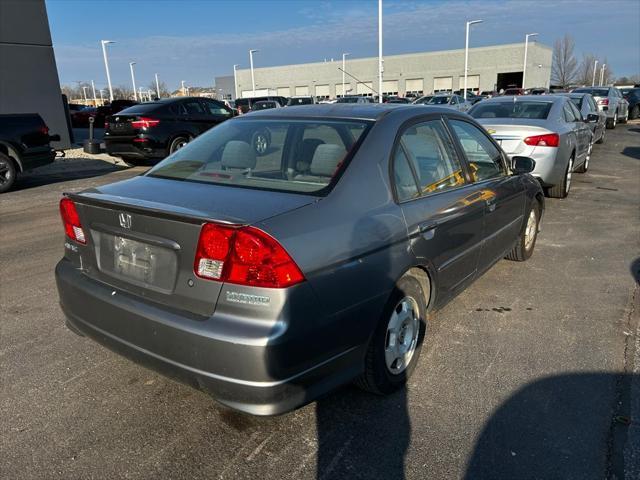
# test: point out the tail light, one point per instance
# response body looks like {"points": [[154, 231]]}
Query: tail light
{"points": [[244, 256], [548, 140], [71, 221], [603, 101], [44, 130], [106, 124], [144, 122]]}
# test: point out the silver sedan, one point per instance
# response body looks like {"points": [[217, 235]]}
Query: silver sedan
{"points": [[452, 101], [549, 129], [610, 101]]}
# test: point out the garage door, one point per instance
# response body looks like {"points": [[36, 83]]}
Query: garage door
{"points": [[347, 87], [414, 85], [442, 83], [284, 91], [390, 87], [473, 82], [364, 88], [302, 90], [322, 91]]}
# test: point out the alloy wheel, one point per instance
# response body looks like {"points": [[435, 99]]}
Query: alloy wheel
{"points": [[401, 339], [569, 175], [261, 144], [6, 174], [531, 230]]}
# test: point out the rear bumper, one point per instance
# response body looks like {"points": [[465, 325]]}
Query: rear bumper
{"points": [[128, 148], [239, 368], [34, 158], [549, 168]]}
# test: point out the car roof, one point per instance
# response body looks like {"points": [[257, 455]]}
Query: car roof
{"points": [[361, 111], [521, 98]]}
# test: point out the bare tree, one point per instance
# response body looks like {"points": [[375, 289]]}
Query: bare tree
{"points": [[164, 91], [585, 70], [122, 92], [564, 65]]}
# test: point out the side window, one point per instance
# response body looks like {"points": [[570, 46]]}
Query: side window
{"points": [[193, 107], [592, 105], [406, 187], [177, 109], [484, 158], [576, 113], [430, 151], [568, 113], [215, 108]]}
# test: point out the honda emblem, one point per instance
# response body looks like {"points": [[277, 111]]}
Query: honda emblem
{"points": [[125, 220]]}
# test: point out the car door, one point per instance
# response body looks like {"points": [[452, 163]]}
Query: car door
{"points": [[215, 112], [444, 213], [583, 128], [576, 133], [196, 117], [502, 194]]}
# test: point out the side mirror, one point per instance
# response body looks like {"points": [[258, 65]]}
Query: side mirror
{"points": [[521, 165], [592, 118]]}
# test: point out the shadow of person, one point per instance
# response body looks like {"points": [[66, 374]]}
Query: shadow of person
{"points": [[566, 426]]}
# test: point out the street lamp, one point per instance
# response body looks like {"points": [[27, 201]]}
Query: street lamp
{"points": [[235, 79], [106, 65], [380, 67], [595, 67], [84, 91], [526, 48], [466, 55], [133, 80], [184, 92], [157, 86], [253, 79], [604, 65], [101, 98], [95, 100], [344, 57]]}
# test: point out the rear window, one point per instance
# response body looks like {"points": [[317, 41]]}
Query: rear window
{"points": [[299, 101], [438, 101], [511, 109], [141, 108], [596, 92], [577, 101], [302, 156]]}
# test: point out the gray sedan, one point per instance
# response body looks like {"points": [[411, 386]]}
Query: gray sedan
{"points": [[597, 119], [451, 101], [550, 129], [610, 101], [268, 279]]}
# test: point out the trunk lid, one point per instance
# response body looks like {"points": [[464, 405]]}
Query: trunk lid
{"points": [[511, 132], [120, 125], [143, 232]]}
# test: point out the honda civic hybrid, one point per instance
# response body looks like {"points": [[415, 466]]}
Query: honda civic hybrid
{"points": [[270, 276]]}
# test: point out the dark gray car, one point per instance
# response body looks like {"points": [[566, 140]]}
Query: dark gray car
{"points": [[269, 279]]}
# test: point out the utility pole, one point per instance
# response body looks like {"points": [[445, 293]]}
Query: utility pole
{"points": [[604, 65], [526, 47], [157, 86], [380, 67], [235, 79], [466, 55], [133, 80], [595, 67], [344, 58], [84, 91], [106, 65], [253, 78], [95, 100]]}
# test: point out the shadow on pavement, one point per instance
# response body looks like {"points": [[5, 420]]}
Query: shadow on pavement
{"points": [[632, 152], [566, 426], [63, 171], [635, 270]]}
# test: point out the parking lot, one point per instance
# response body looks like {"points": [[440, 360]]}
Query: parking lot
{"points": [[529, 373]]}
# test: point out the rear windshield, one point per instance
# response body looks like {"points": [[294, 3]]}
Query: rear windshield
{"points": [[348, 100], [438, 101], [577, 101], [596, 92], [299, 101], [511, 109], [263, 105], [141, 108], [303, 156]]}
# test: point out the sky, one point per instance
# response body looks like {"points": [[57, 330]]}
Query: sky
{"points": [[198, 40]]}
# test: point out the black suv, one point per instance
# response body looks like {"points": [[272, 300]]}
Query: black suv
{"points": [[151, 131]]}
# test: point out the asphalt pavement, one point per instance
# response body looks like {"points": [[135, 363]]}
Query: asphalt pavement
{"points": [[532, 372]]}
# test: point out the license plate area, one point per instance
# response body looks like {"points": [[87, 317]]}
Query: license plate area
{"points": [[140, 263]]}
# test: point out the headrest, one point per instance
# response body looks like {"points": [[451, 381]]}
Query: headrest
{"points": [[238, 154], [326, 159]]}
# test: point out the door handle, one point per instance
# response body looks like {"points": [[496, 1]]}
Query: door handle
{"points": [[491, 204]]}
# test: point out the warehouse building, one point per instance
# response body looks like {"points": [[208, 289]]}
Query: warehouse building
{"points": [[490, 68]]}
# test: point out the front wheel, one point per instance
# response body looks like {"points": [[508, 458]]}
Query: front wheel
{"points": [[177, 143], [585, 166], [625, 119], [523, 249], [395, 346], [612, 122], [8, 173]]}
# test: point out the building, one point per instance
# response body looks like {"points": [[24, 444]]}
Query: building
{"points": [[29, 78], [490, 68]]}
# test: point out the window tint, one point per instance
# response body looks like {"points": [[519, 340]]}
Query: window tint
{"points": [[193, 107], [569, 116], [429, 149], [406, 187], [215, 108], [178, 109], [591, 104], [484, 158], [533, 109]]}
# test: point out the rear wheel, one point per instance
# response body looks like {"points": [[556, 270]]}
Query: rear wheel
{"points": [[625, 119], [177, 143], [585, 166], [394, 348], [8, 173], [635, 112], [527, 240], [612, 122], [562, 190]]}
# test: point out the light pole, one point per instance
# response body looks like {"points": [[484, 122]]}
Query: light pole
{"points": [[84, 91], [101, 97], [95, 100], [253, 78], [235, 79], [466, 54], [380, 67], [133, 80], [344, 60], [595, 67], [106, 65], [139, 93], [526, 48], [157, 86], [604, 65], [184, 92]]}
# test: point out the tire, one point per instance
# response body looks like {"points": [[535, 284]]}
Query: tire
{"points": [[602, 137], [626, 117], [382, 373], [177, 143], [8, 173], [585, 166], [526, 243], [562, 190], [261, 141], [635, 112], [611, 123]]}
